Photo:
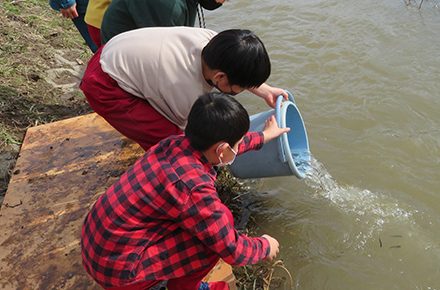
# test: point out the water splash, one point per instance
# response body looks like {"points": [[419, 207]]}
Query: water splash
{"points": [[371, 210], [302, 160]]}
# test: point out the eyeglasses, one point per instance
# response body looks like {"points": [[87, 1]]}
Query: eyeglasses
{"points": [[231, 90]]}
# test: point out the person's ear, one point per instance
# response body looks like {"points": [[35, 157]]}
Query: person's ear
{"points": [[219, 78], [220, 149]]}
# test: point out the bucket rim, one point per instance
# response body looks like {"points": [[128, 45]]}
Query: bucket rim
{"points": [[284, 141]]}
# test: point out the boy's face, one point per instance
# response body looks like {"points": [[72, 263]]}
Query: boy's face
{"points": [[234, 148]]}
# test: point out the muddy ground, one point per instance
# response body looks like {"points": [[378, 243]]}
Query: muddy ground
{"points": [[42, 57]]}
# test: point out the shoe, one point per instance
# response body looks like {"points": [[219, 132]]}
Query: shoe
{"points": [[214, 286]]}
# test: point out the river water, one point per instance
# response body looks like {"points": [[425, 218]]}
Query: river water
{"points": [[366, 77]]}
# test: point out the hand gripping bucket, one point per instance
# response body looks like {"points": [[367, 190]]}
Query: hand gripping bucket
{"points": [[289, 154]]}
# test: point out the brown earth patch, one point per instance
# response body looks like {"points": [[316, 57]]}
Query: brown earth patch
{"points": [[42, 58]]}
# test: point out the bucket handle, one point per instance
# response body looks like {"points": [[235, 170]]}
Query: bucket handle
{"points": [[279, 101], [291, 98]]}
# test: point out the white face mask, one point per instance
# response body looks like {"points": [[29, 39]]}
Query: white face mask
{"points": [[221, 161]]}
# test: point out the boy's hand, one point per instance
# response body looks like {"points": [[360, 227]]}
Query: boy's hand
{"points": [[269, 94], [272, 131], [274, 247], [272, 94]]}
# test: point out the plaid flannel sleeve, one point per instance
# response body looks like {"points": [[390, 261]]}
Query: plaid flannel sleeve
{"points": [[251, 141], [206, 217]]}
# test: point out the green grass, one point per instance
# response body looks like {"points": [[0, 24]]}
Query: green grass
{"points": [[7, 138], [31, 35]]}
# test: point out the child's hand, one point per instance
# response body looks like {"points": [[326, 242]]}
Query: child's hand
{"points": [[69, 12], [274, 247], [272, 131]]}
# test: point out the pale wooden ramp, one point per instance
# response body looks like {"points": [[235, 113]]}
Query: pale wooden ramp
{"points": [[62, 169]]}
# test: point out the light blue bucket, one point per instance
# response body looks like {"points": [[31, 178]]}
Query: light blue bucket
{"points": [[289, 154]]}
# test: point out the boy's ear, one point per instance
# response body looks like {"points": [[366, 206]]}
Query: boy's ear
{"points": [[223, 146], [219, 147], [219, 77]]}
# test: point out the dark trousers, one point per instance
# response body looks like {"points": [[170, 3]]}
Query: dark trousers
{"points": [[82, 28]]}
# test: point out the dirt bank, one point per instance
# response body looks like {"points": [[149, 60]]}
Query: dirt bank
{"points": [[42, 57]]}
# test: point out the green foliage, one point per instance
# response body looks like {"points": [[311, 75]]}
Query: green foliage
{"points": [[7, 138]]}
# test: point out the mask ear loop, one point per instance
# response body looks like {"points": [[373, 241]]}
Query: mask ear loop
{"points": [[220, 159], [201, 18], [216, 152]]}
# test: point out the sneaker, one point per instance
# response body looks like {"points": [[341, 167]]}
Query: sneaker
{"points": [[214, 286], [204, 286]]}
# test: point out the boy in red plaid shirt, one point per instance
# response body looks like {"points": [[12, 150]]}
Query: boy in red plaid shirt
{"points": [[163, 219]]}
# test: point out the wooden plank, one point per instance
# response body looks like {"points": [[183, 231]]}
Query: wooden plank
{"points": [[61, 170], [222, 272]]}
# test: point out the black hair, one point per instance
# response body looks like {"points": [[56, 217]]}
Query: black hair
{"points": [[241, 55], [216, 117]]}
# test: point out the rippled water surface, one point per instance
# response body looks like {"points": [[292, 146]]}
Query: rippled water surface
{"points": [[366, 77]]}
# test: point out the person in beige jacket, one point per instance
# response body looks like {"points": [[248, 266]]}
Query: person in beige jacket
{"points": [[144, 81]]}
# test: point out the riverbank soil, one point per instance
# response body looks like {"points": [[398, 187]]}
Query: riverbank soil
{"points": [[42, 57]]}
